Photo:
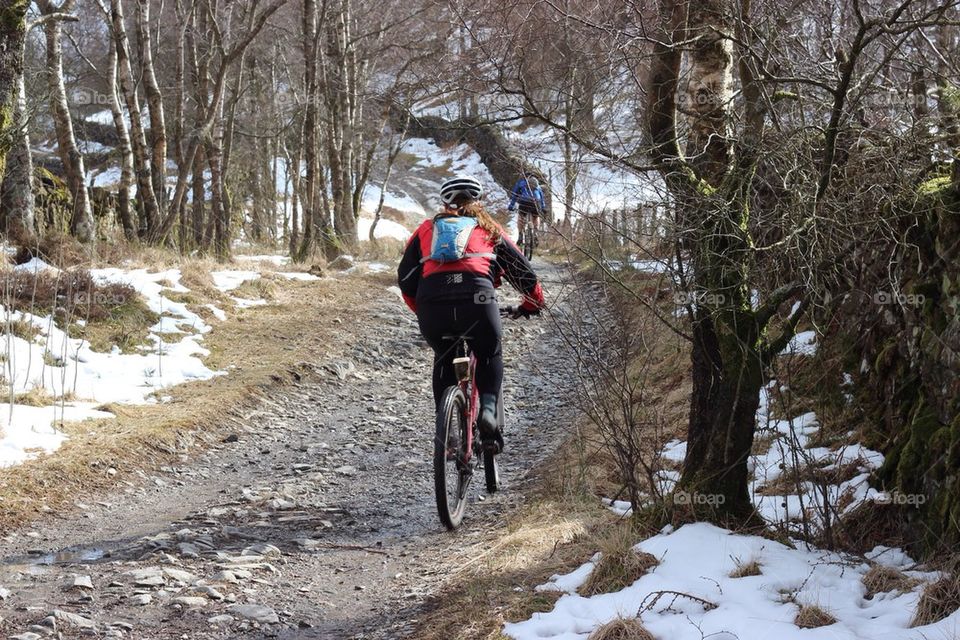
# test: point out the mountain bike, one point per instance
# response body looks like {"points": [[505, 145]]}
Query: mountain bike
{"points": [[527, 240], [457, 450]]}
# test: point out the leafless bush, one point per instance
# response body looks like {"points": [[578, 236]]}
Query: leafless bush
{"points": [[613, 346]]}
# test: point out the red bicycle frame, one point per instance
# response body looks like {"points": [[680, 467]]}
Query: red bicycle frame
{"points": [[468, 385]]}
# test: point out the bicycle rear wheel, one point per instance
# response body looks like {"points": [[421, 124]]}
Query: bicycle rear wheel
{"points": [[528, 242], [451, 473]]}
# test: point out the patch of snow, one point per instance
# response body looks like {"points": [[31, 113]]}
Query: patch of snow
{"points": [[61, 364], [244, 303], [35, 266], [804, 343], [217, 312], [230, 280], [570, 582], [278, 260], [401, 201], [27, 431], [385, 229], [298, 275], [697, 559], [109, 178]]}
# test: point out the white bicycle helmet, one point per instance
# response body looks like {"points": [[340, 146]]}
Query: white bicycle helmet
{"points": [[460, 186]]}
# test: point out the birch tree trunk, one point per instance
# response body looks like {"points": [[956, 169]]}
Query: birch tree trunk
{"points": [[726, 350], [144, 173], [13, 32], [127, 219], [309, 146], [158, 126], [16, 191], [81, 221]]}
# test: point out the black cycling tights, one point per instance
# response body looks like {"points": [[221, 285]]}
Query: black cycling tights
{"points": [[480, 322]]}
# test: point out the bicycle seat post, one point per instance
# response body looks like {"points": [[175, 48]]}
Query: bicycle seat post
{"points": [[461, 364]]}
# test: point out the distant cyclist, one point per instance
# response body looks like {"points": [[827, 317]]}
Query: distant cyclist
{"points": [[528, 195], [447, 275]]}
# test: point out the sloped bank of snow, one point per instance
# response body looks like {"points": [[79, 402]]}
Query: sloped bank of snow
{"points": [[65, 366], [698, 559]]}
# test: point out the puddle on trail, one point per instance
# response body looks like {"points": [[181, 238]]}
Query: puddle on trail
{"points": [[69, 556], [37, 564]]}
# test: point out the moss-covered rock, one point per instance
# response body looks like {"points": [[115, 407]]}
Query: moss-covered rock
{"points": [[911, 394]]}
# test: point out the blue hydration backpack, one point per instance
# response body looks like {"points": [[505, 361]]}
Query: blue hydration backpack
{"points": [[450, 237]]}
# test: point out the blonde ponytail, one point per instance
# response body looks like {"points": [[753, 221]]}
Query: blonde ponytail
{"points": [[474, 209]]}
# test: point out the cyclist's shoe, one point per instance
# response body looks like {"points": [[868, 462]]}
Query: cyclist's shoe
{"points": [[490, 435]]}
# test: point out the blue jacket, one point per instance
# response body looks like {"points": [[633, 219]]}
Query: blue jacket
{"points": [[522, 192]]}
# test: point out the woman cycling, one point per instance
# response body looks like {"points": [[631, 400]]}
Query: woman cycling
{"points": [[448, 274]]}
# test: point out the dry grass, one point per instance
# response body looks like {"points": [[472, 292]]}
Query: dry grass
{"points": [[939, 600], [494, 583], [384, 249], [620, 565], [35, 397], [58, 249], [195, 275], [811, 616], [622, 629], [264, 287], [266, 344], [24, 329], [881, 579], [746, 569]]}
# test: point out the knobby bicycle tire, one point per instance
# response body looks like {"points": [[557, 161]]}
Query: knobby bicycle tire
{"points": [[451, 414]]}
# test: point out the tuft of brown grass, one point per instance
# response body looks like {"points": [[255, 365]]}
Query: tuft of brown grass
{"points": [[881, 579], [264, 287], [24, 329], [938, 600], [195, 275], [620, 565], [56, 248], [810, 616], [35, 397], [745, 569], [622, 629]]}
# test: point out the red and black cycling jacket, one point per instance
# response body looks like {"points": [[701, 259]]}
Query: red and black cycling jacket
{"points": [[487, 263]]}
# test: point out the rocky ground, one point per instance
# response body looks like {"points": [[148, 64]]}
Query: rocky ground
{"points": [[314, 520]]}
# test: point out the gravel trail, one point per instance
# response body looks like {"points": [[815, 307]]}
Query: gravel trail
{"points": [[314, 519]]}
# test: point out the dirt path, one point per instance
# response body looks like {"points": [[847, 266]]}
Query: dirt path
{"points": [[315, 520]]}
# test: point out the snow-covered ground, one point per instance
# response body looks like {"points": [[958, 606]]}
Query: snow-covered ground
{"points": [[68, 367], [698, 560]]}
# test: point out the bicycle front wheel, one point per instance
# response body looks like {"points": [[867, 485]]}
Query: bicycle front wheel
{"points": [[528, 243], [450, 471]]}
